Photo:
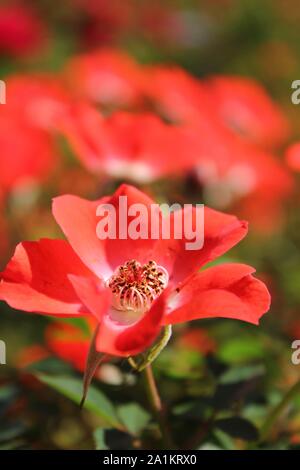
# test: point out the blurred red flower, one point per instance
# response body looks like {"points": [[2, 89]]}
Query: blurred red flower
{"points": [[38, 99], [240, 104], [197, 339], [66, 341], [246, 108], [107, 77], [27, 153], [4, 239], [179, 96], [239, 175], [31, 354], [132, 287], [137, 147], [234, 172], [70, 343], [28, 150], [163, 24], [292, 156], [103, 21], [22, 32]]}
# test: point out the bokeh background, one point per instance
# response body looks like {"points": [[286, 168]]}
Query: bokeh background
{"points": [[220, 379]]}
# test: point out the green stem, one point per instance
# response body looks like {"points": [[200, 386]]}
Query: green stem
{"points": [[274, 415], [156, 406], [154, 352]]}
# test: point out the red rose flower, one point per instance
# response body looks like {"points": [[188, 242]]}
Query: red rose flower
{"points": [[137, 147], [38, 99], [107, 77], [70, 343], [179, 96], [21, 31], [239, 175], [33, 105], [240, 104], [165, 25], [103, 21], [197, 339], [27, 153], [235, 173], [4, 239], [292, 156], [132, 287], [246, 108], [31, 354]]}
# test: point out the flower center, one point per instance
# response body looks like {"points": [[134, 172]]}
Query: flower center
{"points": [[136, 286]]}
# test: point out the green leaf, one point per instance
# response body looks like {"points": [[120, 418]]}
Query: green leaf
{"points": [[99, 435], [12, 431], [241, 374], [134, 417], [7, 393], [224, 439], [50, 365], [239, 350], [13, 444], [209, 446], [187, 364], [96, 401]]}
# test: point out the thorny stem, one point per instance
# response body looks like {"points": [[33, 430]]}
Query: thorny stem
{"points": [[156, 406], [278, 410]]}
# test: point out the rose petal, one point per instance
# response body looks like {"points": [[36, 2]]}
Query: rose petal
{"points": [[93, 294], [78, 220], [36, 278], [227, 290], [221, 232], [126, 340]]}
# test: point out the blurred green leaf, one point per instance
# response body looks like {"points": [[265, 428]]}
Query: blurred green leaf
{"points": [[99, 435], [13, 444], [187, 364], [209, 446], [12, 431], [183, 408], [96, 401], [8, 392], [224, 439], [254, 412], [134, 417], [50, 365], [240, 374], [239, 350]]}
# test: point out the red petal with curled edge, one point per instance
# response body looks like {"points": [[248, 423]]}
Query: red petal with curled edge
{"points": [[220, 233], [227, 290], [128, 340], [36, 278]]}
